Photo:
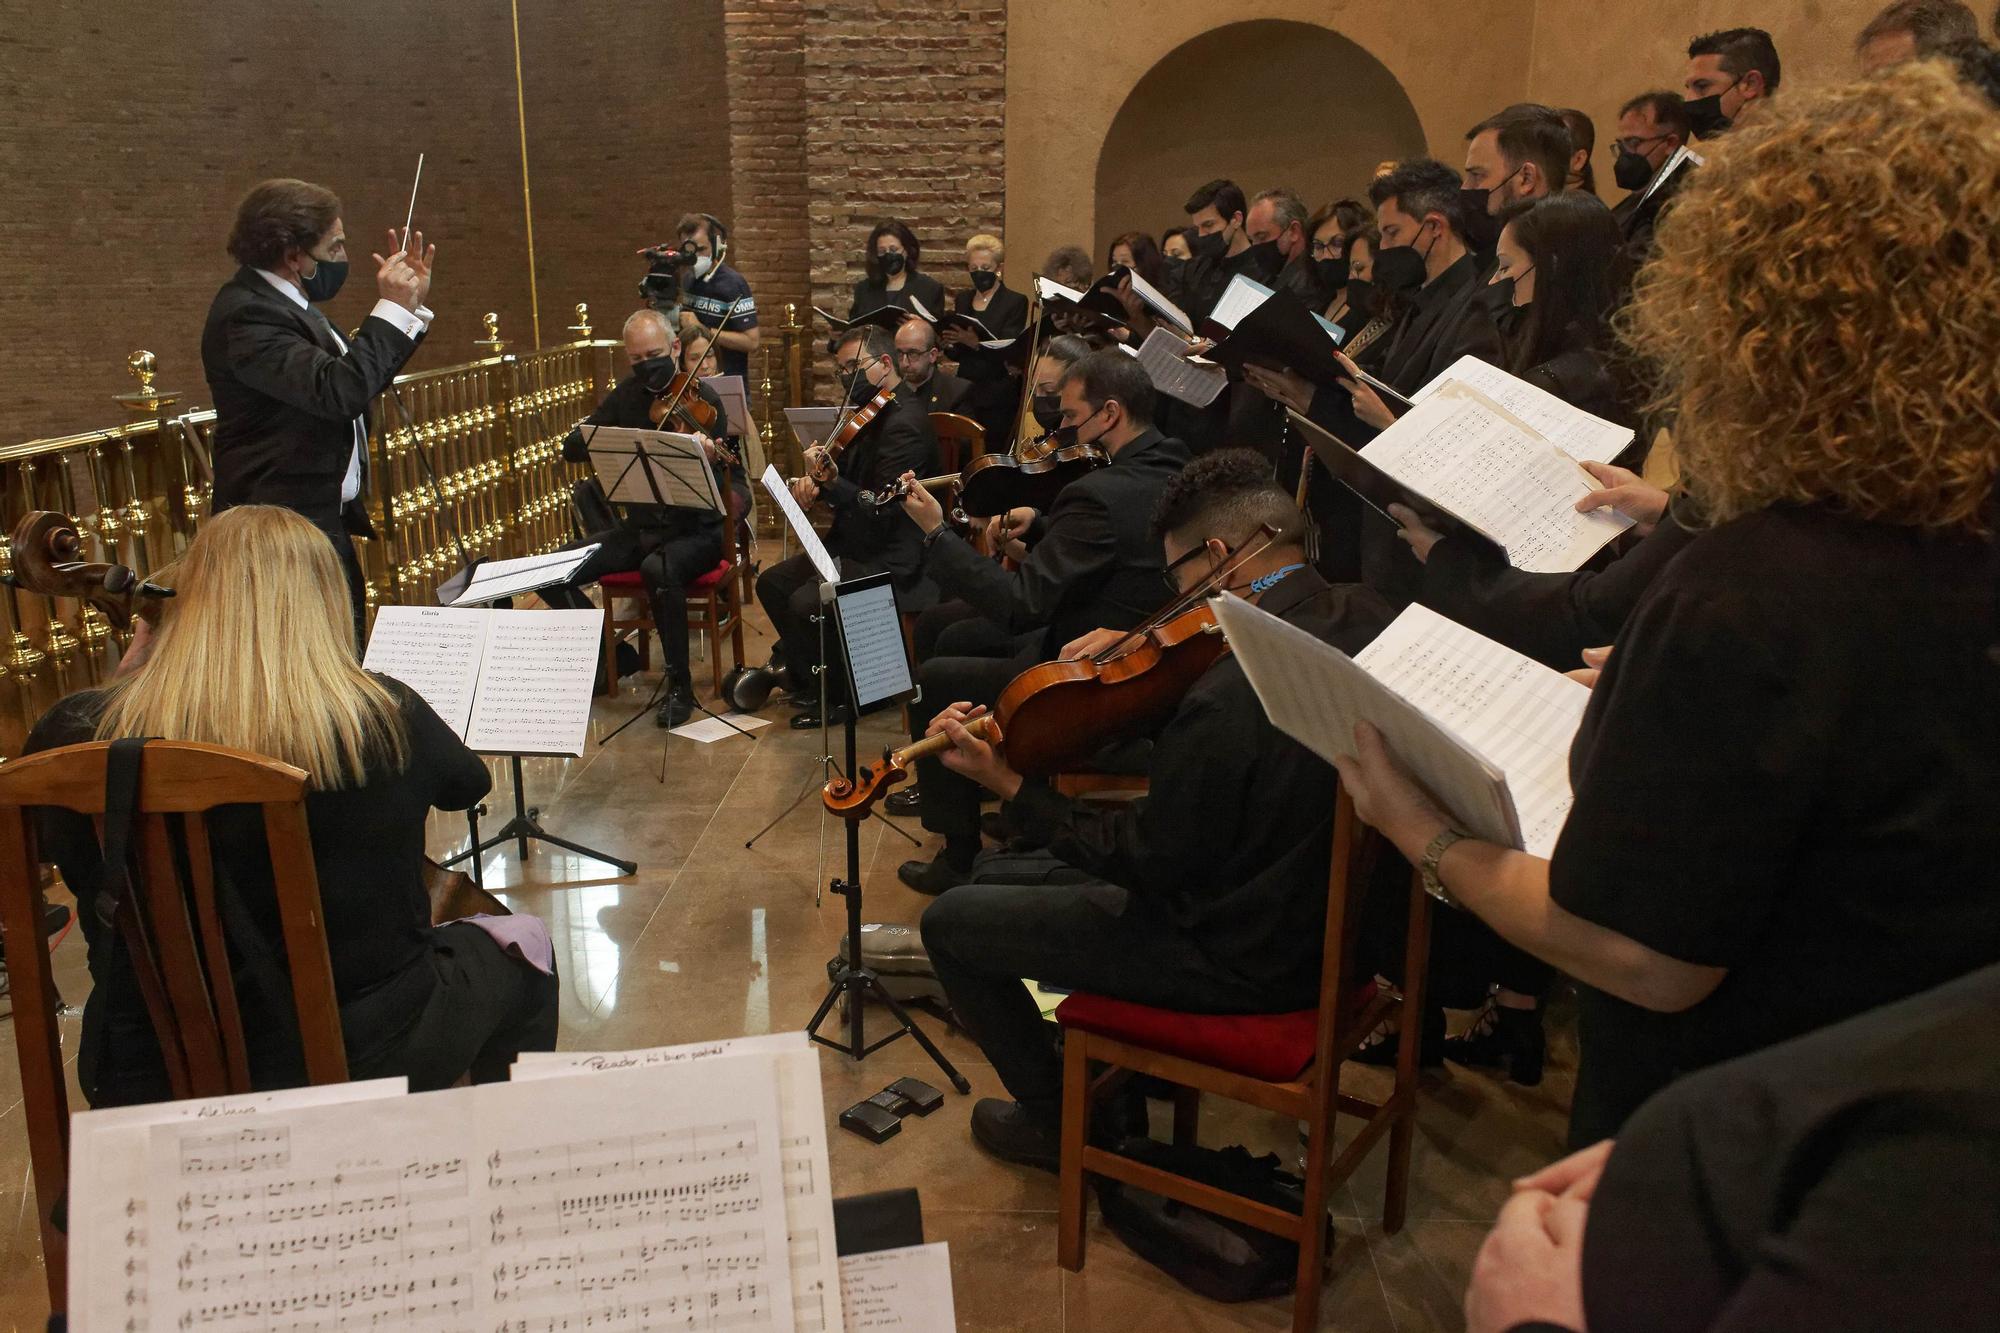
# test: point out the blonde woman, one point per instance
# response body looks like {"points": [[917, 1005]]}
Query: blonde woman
{"points": [[255, 652], [995, 399], [1787, 775]]}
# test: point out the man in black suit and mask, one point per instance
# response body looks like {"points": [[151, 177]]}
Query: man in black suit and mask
{"points": [[291, 394]]}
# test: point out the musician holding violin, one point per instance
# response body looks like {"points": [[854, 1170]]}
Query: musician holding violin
{"points": [[668, 546], [884, 432], [1206, 896], [1094, 563]]}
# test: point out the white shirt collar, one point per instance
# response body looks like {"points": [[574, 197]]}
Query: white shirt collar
{"points": [[285, 285]]}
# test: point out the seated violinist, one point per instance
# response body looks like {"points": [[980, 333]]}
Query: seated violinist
{"points": [[869, 453], [1209, 894], [255, 652], [669, 546], [1094, 564]]}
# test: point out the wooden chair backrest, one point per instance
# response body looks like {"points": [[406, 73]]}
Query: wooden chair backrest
{"points": [[1355, 849], [193, 1005], [960, 440]]}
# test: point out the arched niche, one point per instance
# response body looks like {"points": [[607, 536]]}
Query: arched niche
{"points": [[1267, 102]]}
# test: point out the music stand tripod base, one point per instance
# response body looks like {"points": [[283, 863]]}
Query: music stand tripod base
{"points": [[525, 826]]}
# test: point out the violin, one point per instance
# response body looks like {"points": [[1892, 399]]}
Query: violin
{"points": [[1031, 477], [45, 548], [853, 799], [678, 407], [823, 459]]}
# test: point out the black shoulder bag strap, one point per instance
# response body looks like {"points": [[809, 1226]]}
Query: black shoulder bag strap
{"points": [[117, 907]]}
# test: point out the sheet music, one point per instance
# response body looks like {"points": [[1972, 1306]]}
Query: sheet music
{"points": [[108, 1246], [503, 578], [1238, 299], [1586, 438], [802, 1150], [536, 681], [809, 541], [639, 1199], [653, 467], [1176, 373], [811, 425], [434, 650], [1055, 291], [877, 659], [918, 309], [1156, 301], [1681, 155], [735, 396], [1469, 456], [908, 1289]]}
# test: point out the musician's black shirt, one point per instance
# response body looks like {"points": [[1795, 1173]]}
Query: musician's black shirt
{"points": [[629, 405]]}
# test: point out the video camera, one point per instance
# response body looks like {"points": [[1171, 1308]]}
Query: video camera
{"points": [[661, 287]]}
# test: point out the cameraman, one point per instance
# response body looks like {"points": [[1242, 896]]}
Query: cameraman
{"points": [[709, 287]]}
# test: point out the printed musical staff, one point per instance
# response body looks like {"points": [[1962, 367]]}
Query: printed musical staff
{"points": [[515, 682]]}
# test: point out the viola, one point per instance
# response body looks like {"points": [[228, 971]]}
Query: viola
{"points": [[45, 551], [1029, 478], [853, 799]]}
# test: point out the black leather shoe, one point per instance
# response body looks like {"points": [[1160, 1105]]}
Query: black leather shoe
{"points": [[908, 801], [932, 877], [1509, 1041], [1013, 1134], [675, 710], [1384, 1051]]}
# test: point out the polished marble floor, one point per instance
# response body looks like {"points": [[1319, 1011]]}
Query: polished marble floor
{"points": [[710, 940]]}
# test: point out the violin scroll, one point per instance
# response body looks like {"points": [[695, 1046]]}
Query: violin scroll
{"points": [[853, 799]]}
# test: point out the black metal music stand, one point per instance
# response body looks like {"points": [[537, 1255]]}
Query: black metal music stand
{"points": [[878, 675]]}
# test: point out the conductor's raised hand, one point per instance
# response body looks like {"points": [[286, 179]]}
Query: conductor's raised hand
{"points": [[420, 258], [396, 282], [922, 507]]}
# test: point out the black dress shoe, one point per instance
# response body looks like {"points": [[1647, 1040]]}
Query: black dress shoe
{"points": [[932, 877], [908, 801], [1013, 1134], [1510, 1041], [675, 710]]}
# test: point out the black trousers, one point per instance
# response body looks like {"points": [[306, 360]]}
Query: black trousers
{"points": [[950, 802], [357, 584], [666, 561], [789, 593], [984, 938], [488, 1007]]}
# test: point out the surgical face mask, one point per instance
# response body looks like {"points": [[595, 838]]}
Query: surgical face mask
{"points": [[984, 279], [891, 263], [1047, 410], [326, 280], [1705, 114], [703, 266], [1332, 273], [1632, 170]]}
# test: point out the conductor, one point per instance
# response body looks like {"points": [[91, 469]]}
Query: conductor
{"points": [[291, 394]]}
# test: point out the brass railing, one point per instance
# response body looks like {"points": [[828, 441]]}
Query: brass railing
{"points": [[492, 428]]}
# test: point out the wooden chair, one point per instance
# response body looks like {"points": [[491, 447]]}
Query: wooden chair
{"points": [[960, 440], [173, 930], [1286, 1063]]}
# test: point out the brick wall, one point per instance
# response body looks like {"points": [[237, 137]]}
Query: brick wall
{"points": [[766, 62], [137, 127]]}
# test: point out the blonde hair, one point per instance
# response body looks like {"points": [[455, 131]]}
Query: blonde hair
{"points": [[1823, 314], [255, 651], [989, 242]]}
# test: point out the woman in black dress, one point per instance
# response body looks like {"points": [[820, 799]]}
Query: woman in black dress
{"points": [[995, 399], [893, 278], [1786, 780], [256, 652]]}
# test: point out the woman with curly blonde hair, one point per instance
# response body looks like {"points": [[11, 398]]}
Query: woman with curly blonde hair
{"points": [[1785, 782]]}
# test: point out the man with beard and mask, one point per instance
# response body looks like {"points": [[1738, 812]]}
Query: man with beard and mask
{"points": [[1093, 565], [865, 540], [1521, 154], [1726, 72], [917, 362], [712, 290], [1278, 218], [291, 393], [668, 546], [1222, 248], [1651, 128]]}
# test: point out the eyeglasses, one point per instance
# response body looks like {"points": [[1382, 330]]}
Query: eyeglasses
{"points": [[1635, 144], [849, 367], [1171, 573], [1327, 249]]}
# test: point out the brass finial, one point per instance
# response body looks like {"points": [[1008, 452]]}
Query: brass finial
{"points": [[492, 342], [147, 401], [143, 364], [582, 326]]}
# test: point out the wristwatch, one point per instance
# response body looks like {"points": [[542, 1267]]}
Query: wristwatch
{"points": [[1428, 867]]}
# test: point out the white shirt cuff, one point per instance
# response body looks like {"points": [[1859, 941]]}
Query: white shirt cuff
{"points": [[411, 323]]}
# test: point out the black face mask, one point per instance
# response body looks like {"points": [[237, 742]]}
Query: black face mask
{"points": [[1510, 320], [1399, 270], [1361, 296], [654, 373], [1705, 115], [1261, 257], [984, 279], [1631, 171], [891, 263], [1172, 264], [1332, 273], [1499, 297], [1212, 246], [325, 283], [1482, 229], [1066, 436], [1046, 408]]}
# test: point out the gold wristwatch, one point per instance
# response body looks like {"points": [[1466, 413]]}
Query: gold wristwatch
{"points": [[1428, 867]]}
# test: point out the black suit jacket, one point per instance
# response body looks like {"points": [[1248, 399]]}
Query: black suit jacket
{"points": [[1096, 564], [943, 392], [286, 399], [900, 440], [1442, 322]]}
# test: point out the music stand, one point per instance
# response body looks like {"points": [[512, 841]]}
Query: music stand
{"points": [[652, 467], [870, 634]]}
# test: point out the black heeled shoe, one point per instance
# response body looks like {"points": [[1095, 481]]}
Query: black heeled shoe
{"points": [[1508, 1041], [1383, 1050]]}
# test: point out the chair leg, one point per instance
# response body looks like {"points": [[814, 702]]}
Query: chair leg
{"points": [[1403, 1133], [712, 634], [1312, 1215], [609, 684], [1069, 1181], [1187, 1116], [735, 637]]}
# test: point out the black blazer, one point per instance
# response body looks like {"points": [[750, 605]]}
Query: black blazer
{"points": [[286, 399], [900, 440], [943, 392], [1006, 314], [870, 295]]}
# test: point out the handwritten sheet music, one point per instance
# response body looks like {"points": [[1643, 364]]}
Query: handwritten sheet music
{"points": [[639, 1199], [1177, 374], [802, 1151], [1486, 730], [434, 650], [908, 1288], [503, 578], [535, 682], [878, 661], [108, 1246], [809, 541], [1478, 462], [1586, 438]]}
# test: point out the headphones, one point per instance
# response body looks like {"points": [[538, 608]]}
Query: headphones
{"points": [[718, 240]]}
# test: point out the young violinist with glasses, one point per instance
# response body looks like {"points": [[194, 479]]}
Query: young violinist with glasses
{"points": [[1209, 894]]}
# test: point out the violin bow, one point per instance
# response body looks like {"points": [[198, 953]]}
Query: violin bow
{"points": [[688, 384], [1202, 590]]}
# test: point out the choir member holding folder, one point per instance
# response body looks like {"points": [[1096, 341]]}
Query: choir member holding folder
{"points": [[1786, 777], [260, 602], [987, 311]]}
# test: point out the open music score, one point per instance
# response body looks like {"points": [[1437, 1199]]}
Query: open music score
{"points": [[507, 682], [871, 634], [1586, 438], [619, 1201]]}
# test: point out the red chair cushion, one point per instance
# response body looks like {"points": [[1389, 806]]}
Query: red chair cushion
{"points": [[714, 576], [1272, 1047], [624, 581]]}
